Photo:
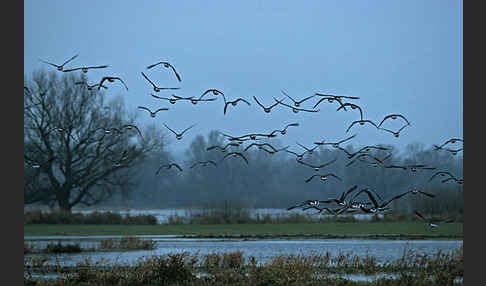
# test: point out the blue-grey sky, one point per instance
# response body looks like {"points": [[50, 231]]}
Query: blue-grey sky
{"points": [[397, 56]]}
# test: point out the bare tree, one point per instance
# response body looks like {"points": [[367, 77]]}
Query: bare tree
{"points": [[77, 150]]}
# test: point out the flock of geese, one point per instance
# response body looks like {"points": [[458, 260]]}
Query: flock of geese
{"points": [[375, 203]]}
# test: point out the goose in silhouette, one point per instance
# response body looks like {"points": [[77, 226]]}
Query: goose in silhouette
{"points": [[297, 103], [395, 133], [123, 157], [336, 96], [441, 173], [306, 204], [132, 127], [153, 113], [452, 151], [317, 167], [266, 109], [172, 100], [156, 88], [394, 116], [299, 157], [192, 99], [329, 99], [179, 135], [323, 177], [111, 79], [353, 106], [166, 65], [380, 207], [308, 150], [168, 166], [60, 67], [271, 152], [295, 109], [222, 149], [450, 141], [362, 157], [90, 87], [214, 92], [234, 103], [204, 163], [458, 181], [363, 150], [85, 68], [334, 144], [260, 146], [341, 201], [432, 223], [412, 168], [236, 154], [284, 130], [416, 191], [361, 122]]}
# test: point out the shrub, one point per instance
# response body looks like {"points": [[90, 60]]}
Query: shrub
{"points": [[59, 217]]}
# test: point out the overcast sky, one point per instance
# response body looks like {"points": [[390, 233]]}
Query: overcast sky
{"points": [[397, 56]]}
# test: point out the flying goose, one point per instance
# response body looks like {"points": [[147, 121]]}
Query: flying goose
{"points": [[271, 152], [122, 159], [214, 92], [380, 207], [317, 167], [222, 149], [132, 127], [353, 106], [441, 173], [85, 68], [361, 122], [432, 223], [179, 135], [335, 144], [166, 65], [110, 79], [168, 166], [336, 96], [323, 177], [260, 146], [192, 99], [90, 87], [235, 154], [284, 130], [156, 88], [203, 163], [393, 116], [341, 201], [60, 67], [308, 150], [234, 103], [452, 141], [306, 203], [299, 102], [295, 109], [299, 157], [330, 100], [363, 150], [412, 168], [458, 181], [172, 100], [362, 157], [395, 133], [266, 109], [153, 113]]}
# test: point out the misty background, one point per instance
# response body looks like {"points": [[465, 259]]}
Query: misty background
{"points": [[396, 56]]}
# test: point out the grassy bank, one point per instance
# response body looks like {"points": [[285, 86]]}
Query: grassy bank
{"points": [[323, 230]]}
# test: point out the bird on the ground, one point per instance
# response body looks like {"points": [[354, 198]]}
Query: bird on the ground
{"points": [[153, 113], [85, 68], [111, 79], [297, 103], [179, 135], [60, 67], [234, 103], [167, 65], [156, 88], [317, 167]]}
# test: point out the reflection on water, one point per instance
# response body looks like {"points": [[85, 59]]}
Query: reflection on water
{"points": [[262, 250]]}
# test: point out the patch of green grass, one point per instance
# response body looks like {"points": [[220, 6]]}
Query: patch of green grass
{"points": [[354, 229]]}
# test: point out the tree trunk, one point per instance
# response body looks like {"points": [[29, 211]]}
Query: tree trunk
{"points": [[63, 201]]}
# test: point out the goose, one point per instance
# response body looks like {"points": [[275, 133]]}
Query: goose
{"points": [[179, 135], [336, 96], [363, 150], [235, 154], [132, 127], [362, 157], [172, 100], [341, 201], [152, 113], [111, 79], [380, 207], [353, 106], [266, 109], [441, 173], [432, 223], [168, 166], [306, 203], [299, 102], [330, 100], [156, 88], [284, 130], [260, 146], [394, 116], [203, 163], [361, 122], [412, 168], [60, 67], [416, 191], [271, 152], [122, 159], [395, 133], [214, 92], [295, 109], [317, 167], [85, 68], [323, 177], [308, 150], [299, 157], [90, 87], [452, 151], [335, 144], [192, 99], [222, 149], [452, 141], [458, 181], [167, 65], [234, 103]]}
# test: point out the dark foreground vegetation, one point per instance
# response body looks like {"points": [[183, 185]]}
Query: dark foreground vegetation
{"points": [[233, 269], [60, 217]]}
